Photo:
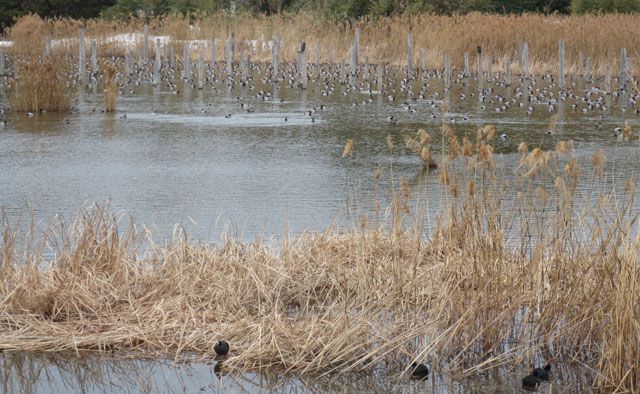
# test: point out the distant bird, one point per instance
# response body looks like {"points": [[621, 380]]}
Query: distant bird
{"points": [[221, 348], [419, 371], [303, 46], [530, 382], [542, 373], [503, 136]]}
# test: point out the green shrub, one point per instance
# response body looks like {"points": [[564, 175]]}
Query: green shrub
{"points": [[591, 6]]}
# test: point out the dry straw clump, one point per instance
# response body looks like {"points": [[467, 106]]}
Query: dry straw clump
{"points": [[482, 288], [110, 87], [41, 85]]}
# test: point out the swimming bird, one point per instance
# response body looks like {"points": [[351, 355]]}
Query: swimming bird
{"points": [[419, 371], [542, 373], [530, 382], [221, 348]]}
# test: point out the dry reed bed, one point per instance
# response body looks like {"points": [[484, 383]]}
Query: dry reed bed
{"points": [[371, 298], [41, 84], [383, 40]]}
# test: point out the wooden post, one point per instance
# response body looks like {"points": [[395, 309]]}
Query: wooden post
{"points": [[490, 68], [479, 67], [423, 60], [47, 45], [341, 74], [331, 51], [2, 63], [172, 57], [165, 53], [366, 67], [607, 78], [410, 54], [354, 59], [561, 64], [379, 76], [303, 65], [94, 57], [230, 48], [466, 64], [186, 61], [213, 53], [507, 72], [356, 47], [447, 72], [82, 57], [157, 64], [525, 60], [275, 53], [127, 63], [241, 64], [201, 69], [145, 49], [622, 83], [588, 70]]}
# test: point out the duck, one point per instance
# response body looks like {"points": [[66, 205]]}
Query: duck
{"points": [[221, 348], [419, 371], [530, 382], [542, 373]]}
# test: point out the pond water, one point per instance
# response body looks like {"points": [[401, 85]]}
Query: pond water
{"points": [[200, 159], [94, 373]]}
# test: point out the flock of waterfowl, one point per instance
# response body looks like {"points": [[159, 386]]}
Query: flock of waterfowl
{"points": [[422, 96], [417, 371]]}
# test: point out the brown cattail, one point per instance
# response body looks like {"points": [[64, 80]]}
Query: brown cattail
{"points": [[454, 147], [489, 131], [627, 132], [467, 148], [572, 169], [598, 160], [424, 137], [348, 148]]}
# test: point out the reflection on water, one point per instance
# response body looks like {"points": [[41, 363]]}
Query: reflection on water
{"points": [[93, 373]]}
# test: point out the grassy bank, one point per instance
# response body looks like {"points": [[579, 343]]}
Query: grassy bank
{"points": [[501, 275], [383, 40]]}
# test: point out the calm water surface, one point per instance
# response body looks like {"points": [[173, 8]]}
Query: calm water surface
{"points": [[179, 158]]}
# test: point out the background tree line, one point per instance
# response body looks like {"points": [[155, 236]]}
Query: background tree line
{"points": [[332, 9]]}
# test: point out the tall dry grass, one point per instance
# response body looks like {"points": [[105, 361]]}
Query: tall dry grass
{"points": [[502, 274], [41, 84], [384, 40]]}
